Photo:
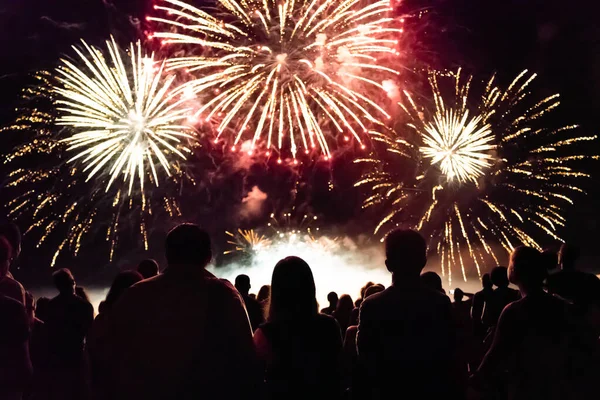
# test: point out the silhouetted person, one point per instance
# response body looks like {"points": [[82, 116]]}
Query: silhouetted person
{"points": [[97, 344], [532, 337], [357, 303], [41, 308], [183, 334], [461, 310], [352, 371], [255, 311], [15, 364], [264, 294], [406, 337], [500, 297], [567, 282], [480, 299], [148, 268], [9, 233], [69, 319], [342, 312], [432, 281], [332, 298], [550, 260], [300, 348]]}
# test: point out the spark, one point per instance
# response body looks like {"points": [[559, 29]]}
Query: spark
{"points": [[246, 241], [459, 144], [91, 133], [490, 173], [123, 116], [294, 73]]}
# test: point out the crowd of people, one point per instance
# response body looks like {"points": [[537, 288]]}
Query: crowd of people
{"points": [[185, 334]]}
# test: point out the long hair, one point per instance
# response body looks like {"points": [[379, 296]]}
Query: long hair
{"points": [[292, 291], [121, 283]]}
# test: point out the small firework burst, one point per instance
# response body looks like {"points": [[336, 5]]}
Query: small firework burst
{"points": [[477, 172]]}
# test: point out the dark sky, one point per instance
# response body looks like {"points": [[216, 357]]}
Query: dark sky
{"points": [[559, 40]]}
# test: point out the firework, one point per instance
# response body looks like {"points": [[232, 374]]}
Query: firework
{"points": [[476, 172], [246, 241], [298, 72], [284, 228], [98, 118], [123, 117]]}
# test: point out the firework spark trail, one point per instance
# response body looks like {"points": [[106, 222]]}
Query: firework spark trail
{"points": [[487, 171], [246, 241], [99, 116], [125, 116], [294, 71]]}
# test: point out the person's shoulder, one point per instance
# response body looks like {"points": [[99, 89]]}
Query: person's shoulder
{"points": [[378, 298], [327, 322], [9, 304], [12, 311], [11, 287], [513, 308], [325, 319]]}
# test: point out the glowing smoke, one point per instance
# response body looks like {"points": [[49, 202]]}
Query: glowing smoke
{"points": [[252, 204]]}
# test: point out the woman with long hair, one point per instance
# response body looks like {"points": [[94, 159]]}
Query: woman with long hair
{"points": [[301, 349]]}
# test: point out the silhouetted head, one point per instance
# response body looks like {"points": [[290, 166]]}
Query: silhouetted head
{"points": [[332, 298], [81, 292], [458, 295], [122, 282], [568, 256], [345, 304], [188, 245], [64, 281], [499, 277], [526, 269], [264, 293], [374, 289], [550, 259], [364, 288], [432, 281], [292, 291], [148, 268], [405, 252], [5, 256], [242, 284], [12, 233], [486, 281], [41, 308]]}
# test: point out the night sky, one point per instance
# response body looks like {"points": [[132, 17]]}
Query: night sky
{"points": [[559, 40]]}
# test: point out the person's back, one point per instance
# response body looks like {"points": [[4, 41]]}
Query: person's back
{"points": [[480, 300], [343, 312], [567, 282], [408, 333], [67, 323], [9, 287], [499, 298], [302, 356], [15, 364], [533, 337], [253, 307], [183, 334], [301, 349], [406, 337]]}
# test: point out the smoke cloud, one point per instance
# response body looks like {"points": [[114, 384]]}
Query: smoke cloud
{"points": [[252, 204]]}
